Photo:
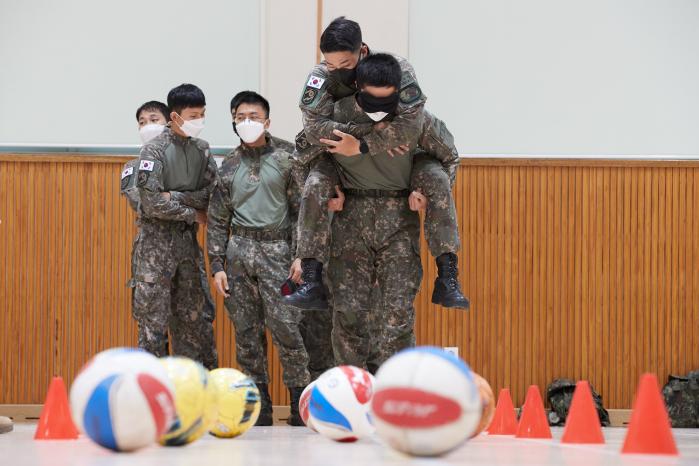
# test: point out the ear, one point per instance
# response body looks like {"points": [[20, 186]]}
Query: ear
{"points": [[363, 51], [267, 123], [176, 118]]}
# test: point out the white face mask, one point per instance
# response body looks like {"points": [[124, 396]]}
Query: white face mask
{"points": [[250, 131], [192, 128], [377, 116], [150, 131]]}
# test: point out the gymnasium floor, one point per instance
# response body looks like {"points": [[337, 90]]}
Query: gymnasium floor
{"points": [[290, 446]]}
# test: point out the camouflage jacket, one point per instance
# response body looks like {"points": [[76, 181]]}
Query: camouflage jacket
{"points": [[221, 209], [321, 92], [185, 168]]}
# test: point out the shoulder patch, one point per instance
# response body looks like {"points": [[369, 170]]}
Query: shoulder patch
{"points": [[142, 179], [127, 171], [410, 93], [146, 165], [315, 82], [309, 95]]}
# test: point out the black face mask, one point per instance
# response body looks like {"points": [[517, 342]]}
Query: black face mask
{"points": [[372, 104], [346, 76]]}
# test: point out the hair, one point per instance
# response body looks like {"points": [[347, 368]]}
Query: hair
{"points": [[185, 96], [249, 97], [380, 70], [153, 106], [342, 35]]}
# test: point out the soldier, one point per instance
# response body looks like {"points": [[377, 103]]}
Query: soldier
{"points": [[252, 218], [152, 118], [175, 176], [334, 79], [375, 239]]}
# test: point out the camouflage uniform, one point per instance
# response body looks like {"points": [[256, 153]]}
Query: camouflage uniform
{"points": [[433, 174], [250, 234], [128, 187], [169, 291], [373, 237]]}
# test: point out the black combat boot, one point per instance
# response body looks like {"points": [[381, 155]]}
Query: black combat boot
{"points": [[295, 416], [310, 295], [447, 291], [265, 418]]}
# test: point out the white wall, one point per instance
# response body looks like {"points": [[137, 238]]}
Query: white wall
{"points": [[561, 76], [74, 71], [537, 77]]}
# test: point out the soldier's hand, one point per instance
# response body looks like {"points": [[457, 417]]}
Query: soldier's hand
{"points": [[295, 271], [200, 217], [400, 150], [417, 201], [336, 204], [166, 195], [348, 145], [221, 284]]}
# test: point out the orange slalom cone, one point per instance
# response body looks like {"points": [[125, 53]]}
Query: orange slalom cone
{"points": [[582, 424], [533, 422], [649, 430], [504, 421], [55, 422]]}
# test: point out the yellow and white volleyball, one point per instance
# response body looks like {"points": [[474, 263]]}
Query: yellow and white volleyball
{"points": [[195, 401], [238, 402]]}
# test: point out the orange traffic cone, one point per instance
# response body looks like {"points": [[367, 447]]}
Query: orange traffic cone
{"points": [[55, 422], [582, 423], [649, 430], [504, 421], [533, 422]]}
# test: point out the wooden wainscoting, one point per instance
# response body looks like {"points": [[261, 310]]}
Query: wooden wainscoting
{"points": [[575, 268]]}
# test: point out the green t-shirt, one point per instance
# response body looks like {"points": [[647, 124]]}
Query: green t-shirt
{"points": [[369, 171]]}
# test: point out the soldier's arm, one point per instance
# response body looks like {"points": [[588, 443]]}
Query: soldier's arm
{"points": [[199, 199], [128, 187], [150, 189], [438, 142], [218, 226], [406, 126], [317, 110]]}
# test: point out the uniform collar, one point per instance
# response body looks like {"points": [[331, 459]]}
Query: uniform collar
{"points": [[258, 151], [176, 138]]}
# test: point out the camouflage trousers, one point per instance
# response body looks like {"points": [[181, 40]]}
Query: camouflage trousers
{"points": [[316, 328], [256, 270], [428, 176], [374, 240], [171, 292]]}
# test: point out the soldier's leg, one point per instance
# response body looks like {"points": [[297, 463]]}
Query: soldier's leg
{"points": [[244, 307], [375, 358], [441, 228], [350, 271], [316, 328], [314, 234], [193, 314], [283, 321], [152, 268], [398, 233]]}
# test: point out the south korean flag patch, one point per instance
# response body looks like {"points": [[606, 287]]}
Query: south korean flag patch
{"points": [[146, 165], [126, 177], [316, 82]]}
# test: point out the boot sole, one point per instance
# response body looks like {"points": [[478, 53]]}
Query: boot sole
{"points": [[452, 305]]}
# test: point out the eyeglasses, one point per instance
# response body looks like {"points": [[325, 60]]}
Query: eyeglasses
{"points": [[252, 117]]}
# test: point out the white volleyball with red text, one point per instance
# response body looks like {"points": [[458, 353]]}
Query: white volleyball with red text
{"points": [[425, 401]]}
